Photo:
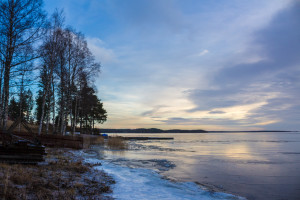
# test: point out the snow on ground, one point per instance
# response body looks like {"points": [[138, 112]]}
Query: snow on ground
{"points": [[145, 184]]}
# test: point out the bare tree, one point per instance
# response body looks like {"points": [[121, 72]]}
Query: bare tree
{"points": [[75, 60], [50, 50], [80, 62], [65, 61], [21, 25]]}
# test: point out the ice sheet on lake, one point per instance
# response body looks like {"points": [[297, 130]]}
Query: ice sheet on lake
{"points": [[145, 184]]}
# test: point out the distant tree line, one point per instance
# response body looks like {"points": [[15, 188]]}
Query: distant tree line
{"points": [[44, 61]]}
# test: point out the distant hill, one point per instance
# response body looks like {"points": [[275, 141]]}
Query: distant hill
{"points": [[249, 131], [150, 130]]}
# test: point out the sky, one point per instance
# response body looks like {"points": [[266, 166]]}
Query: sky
{"points": [[193, 64]]}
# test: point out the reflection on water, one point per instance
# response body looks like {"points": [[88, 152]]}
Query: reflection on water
{"points": [[243, 152], [238, 151], [254, 165]]}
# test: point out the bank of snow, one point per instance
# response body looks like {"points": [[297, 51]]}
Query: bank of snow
{"points": [[145, 184]]}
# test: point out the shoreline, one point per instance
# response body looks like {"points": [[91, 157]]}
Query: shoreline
{"points": [[138, 179], [83, 174]]}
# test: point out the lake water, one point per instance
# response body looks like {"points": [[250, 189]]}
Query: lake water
{"points": [[253, 165]]}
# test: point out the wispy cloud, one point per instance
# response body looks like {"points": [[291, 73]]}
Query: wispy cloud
{"points": [[101, 53]]}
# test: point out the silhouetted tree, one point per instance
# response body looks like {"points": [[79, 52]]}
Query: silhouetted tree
{"points": [[24, 105], [92, 110], [13, 109], [99, 114], [21, 23], [66, 68], [39, 105], [50, 50]]}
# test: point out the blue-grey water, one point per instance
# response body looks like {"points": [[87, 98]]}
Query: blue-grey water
{"points": [[262, 165]]}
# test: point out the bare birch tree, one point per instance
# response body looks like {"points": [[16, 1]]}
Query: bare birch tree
{"points": [[52, 45], [21, 25]]}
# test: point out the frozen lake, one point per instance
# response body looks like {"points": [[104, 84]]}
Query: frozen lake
{"points": [[264, 165]]}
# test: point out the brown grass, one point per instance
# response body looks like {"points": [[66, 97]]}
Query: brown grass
{"points": [[21, 128], [98, 140], [63, 177], [116, 143]]}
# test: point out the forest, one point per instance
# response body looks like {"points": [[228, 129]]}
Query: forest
{"points": [[47, 71]]}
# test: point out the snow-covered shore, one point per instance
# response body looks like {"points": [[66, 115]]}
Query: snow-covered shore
{"points": [[146, 184]]}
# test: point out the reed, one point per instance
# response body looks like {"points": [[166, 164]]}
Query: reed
{"points": [[98, 141], [116, 143]]}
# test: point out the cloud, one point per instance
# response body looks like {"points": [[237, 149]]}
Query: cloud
{"points": [[273, 81], [201, 53], [279, 42], [221, 64], [102, 54], [210, 122], [153, 111], [217, 112]]}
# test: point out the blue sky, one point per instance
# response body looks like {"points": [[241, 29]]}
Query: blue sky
{"points": [[194, 64]]}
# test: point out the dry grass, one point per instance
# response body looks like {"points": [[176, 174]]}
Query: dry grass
{"points": [[21, 128], [62, 178], [116, 143], [98, 140]]}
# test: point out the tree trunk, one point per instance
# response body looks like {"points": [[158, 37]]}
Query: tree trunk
{"points": [[47, 123], [93, 125], [62, 113], [21, 100], [58, 123], [43, 112], [1, 96], [53, 108], [45, 94], [65, 123], [71, 125], [6, 94], [86, 125], [75, 115], [80, 124], [2, 106]]}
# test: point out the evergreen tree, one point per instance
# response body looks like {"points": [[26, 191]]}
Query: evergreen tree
{"points": [[14, 109], [26, 105]]}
